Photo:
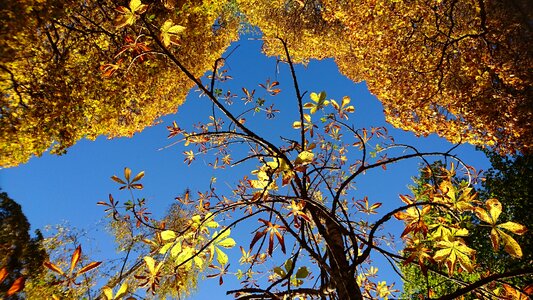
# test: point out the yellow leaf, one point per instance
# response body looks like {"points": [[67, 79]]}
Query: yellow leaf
{"points": [[495, 208], [168, 235], [150, 263], [137, 7], [483, 215], [122, 291], [175, 251], [513, 227], [510, 245], [304, 158], [169, 32], [127, 174], [108, 293], [222, 258]]}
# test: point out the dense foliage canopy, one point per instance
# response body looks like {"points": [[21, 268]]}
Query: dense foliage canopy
{"points": [[71, 69], [458, 68]]}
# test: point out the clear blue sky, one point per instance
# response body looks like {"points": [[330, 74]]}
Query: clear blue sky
{"points": [[52, 189]]}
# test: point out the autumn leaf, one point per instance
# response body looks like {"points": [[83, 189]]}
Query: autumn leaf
{"points": [[497, 235], [169, 33], [53, 267], [88, 267], [452, 252], [128, 15], [319, 102], [3, 274], [17, 286]]}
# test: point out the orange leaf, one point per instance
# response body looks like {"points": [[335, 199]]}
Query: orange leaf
{"points": [[3, 274], [53, 267], [118, 180], [89, 267], [75, 258], [17, 286]]}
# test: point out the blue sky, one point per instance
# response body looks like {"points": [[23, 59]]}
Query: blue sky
{"points": [[54, 189]]}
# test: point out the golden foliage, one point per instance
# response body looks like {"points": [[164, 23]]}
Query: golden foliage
{"points": [[69, 71], [460, 69]]}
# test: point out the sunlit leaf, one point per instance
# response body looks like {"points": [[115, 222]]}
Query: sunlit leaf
{"points": [[127, 174], [222, 258], [75, 258], [89, 267], [169, 33], [513, 227], [305, 157], [108, 293], [53, 267], [118, 180], [122, 291], [168, 235], [138, 176], [510, 245], [17, 286], [3, 274]]}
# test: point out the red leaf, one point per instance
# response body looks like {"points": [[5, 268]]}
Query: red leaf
{"points": [[257, 236]]}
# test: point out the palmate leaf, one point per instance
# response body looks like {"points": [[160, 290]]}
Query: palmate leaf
{"points": [[128, 15], [169, 33], [453, 252], [497, 235]]}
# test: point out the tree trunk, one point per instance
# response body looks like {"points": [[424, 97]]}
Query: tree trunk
{"points": [[342, 276]]}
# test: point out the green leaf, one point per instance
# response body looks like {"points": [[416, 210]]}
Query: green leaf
{"points": [[279, 271], [302, 272], [288, 265]]}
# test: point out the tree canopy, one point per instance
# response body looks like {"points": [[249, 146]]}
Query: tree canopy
{"points": [[313, 235], [72, 70]]}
